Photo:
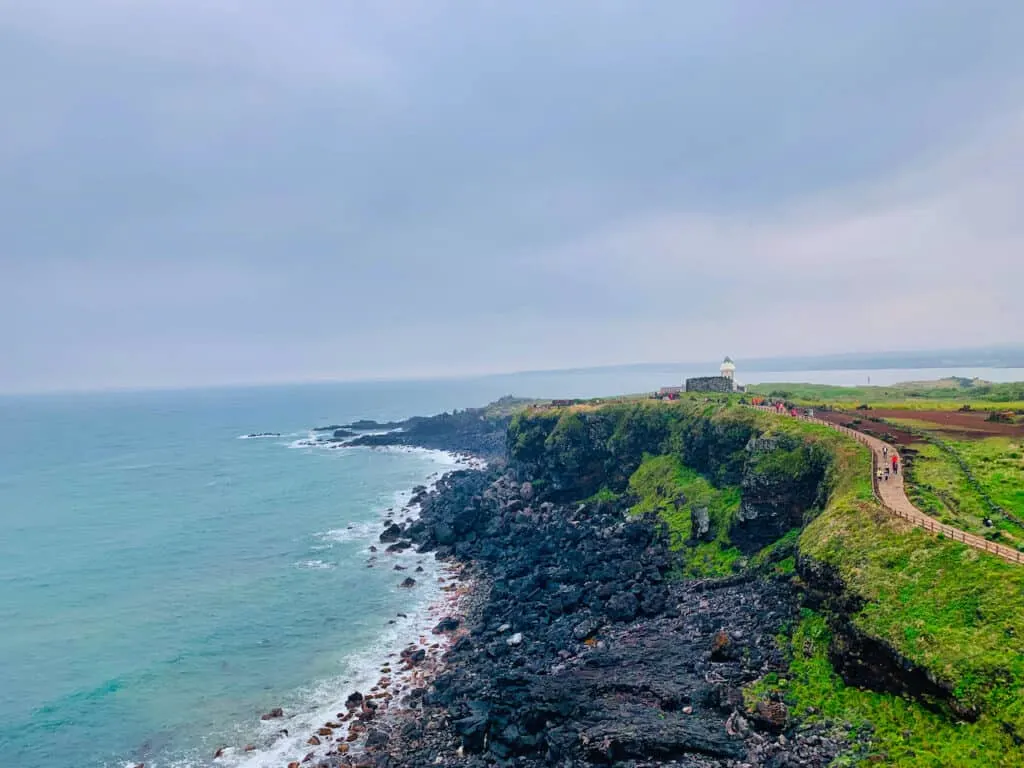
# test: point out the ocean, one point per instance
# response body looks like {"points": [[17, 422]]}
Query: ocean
{"points": [[164, 581]]}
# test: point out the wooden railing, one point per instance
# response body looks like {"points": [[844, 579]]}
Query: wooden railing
{"points": [[912, 514]]}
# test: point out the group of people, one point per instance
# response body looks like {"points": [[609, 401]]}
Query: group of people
{"points": [[883, 472]]}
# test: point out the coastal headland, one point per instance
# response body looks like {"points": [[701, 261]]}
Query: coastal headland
{"points": [[702, 583]]}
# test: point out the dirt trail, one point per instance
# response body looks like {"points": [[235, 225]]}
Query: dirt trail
{"points": [[894, 498]]}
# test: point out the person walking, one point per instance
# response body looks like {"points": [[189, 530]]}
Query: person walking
{"points": [[895, 464]]}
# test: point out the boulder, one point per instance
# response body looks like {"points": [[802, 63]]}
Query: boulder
{"points": [[773, 715], [444, 534], [447, 624], [408, 582], [700, 524], [623, 606], [585, 629], [721, 646], [376, 738], [274, 714]]}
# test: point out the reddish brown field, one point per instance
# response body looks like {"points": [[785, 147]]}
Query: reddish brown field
{"points": [[971, 426], [900, 436], [967, 424]]}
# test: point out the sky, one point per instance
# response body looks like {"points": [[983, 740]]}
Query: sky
{"points": [[204, 192]]}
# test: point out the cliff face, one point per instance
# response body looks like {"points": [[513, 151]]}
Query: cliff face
{"points": [[573, 454], [784, 482]]}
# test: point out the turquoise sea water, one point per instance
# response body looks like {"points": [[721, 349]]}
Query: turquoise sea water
{"points": [[163, 582]]}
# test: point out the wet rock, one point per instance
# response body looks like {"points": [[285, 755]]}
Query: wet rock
{"points": [[274, 714], [408, 582], [391, 534], [354, 701], [376, 739], [414, 656], [447, 624]]}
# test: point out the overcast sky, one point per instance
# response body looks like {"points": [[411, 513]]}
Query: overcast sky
{"points": [[215, 191]]}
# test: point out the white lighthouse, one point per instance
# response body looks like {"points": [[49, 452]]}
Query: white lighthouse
{"points": [[728, 369]]}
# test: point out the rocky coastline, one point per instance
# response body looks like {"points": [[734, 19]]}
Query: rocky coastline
{"points": [[570, 644], [583, 650], [565, 639]]}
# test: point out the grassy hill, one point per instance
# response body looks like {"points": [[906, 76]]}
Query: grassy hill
{"points": [[912, 643]]}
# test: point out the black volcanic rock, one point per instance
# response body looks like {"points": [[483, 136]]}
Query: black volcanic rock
{"points": [[583, 652]]}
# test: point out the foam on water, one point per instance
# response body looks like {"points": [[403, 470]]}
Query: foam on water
{"points": [[353, 532], [325, 699], [193, 591], [316, 565]]}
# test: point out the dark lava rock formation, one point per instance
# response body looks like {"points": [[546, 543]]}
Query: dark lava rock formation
{"points": [[583, 650], [478, 431]]}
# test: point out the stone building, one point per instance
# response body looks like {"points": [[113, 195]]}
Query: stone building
{"points": [[725, 382]]}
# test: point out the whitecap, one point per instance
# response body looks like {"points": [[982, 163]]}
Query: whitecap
{"points": [[360, 671], [315, 565], [353, 532]]}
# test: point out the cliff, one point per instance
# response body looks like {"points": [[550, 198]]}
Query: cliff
{"points": [[903, 634]]}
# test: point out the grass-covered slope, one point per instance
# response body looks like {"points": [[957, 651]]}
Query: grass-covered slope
{"points": [[663, 484], [948, 394], [949, 614]]}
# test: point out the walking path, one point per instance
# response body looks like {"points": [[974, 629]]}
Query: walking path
{"points": [[894, 499]]}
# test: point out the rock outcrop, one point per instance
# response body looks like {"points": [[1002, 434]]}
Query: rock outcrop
{"points": [[583, 651]]}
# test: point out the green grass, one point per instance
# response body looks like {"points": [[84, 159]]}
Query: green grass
{"points": [[664, 485], [945, 394], [897, 732], [605, 494], [961, 482], [953, 610]]}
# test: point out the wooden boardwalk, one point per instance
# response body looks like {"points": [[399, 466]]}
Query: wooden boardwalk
{"points": [[892, 496]]}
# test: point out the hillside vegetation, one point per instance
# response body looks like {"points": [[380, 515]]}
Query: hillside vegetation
{"points": [[951, 394], [917, 643]]}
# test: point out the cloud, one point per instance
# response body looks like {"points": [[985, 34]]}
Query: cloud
{"points": [[336, 189]]}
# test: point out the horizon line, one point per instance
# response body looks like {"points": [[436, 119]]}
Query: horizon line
{"points": [[753, 364]]}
